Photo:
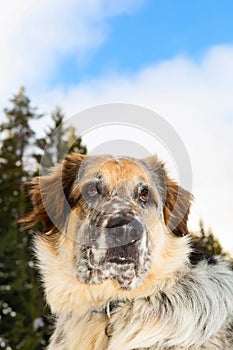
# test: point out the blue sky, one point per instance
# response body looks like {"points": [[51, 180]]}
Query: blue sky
{"points": [[157, 30], [174, 57]]}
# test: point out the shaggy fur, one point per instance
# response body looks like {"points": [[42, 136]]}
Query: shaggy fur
{"points": [[116, 261]]}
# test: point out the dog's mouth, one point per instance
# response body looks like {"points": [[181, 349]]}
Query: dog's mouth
{"points": [[118, 251], [125, 254], [121, 260], [127, 264], [123, 264]]}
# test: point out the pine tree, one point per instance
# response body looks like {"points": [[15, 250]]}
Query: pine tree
{"points": [[207, 242], [20, 298], [22, 309], [58, 141]]}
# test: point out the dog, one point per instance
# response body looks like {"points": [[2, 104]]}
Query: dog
{"points": [[117, 262]]}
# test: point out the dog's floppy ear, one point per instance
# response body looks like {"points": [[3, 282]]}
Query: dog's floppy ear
{"points": [[176, 200], [176, 208], [49, 194]]}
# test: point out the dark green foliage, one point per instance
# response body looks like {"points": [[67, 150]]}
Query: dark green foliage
{"points": [[207, 242], [16, 136], [18, 282], [21, 300], [23, 321], [58, 141]]}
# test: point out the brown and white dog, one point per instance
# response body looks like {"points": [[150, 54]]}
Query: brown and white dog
{"points": [[116, 261]]}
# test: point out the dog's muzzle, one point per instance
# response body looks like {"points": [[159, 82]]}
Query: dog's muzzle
{"points": [[115, 247], [109, 230]]}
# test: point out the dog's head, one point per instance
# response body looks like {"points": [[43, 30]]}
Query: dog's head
{"points": [[120, 216]]}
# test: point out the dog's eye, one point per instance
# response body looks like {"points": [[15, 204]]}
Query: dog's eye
{"points": [[144, 195], [91, 190]]}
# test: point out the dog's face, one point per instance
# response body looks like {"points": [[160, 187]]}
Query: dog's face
{"points": [[117, 206], [111, 209]]}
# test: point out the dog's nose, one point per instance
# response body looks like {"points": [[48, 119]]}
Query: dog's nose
{"points": [[119, 221], [123, 230]]}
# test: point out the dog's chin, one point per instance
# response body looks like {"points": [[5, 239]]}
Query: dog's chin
{"points": [[124, 274], [127, 265]]}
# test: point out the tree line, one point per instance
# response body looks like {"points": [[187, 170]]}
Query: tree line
{"points": [[23, 324], [25, 321]]}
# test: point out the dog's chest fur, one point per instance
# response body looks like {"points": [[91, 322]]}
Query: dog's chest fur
{"points": [[125, 328], [175, 317]]}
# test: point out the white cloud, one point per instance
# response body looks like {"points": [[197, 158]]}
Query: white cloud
{"points": [[196, 99], [36, 35]]}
